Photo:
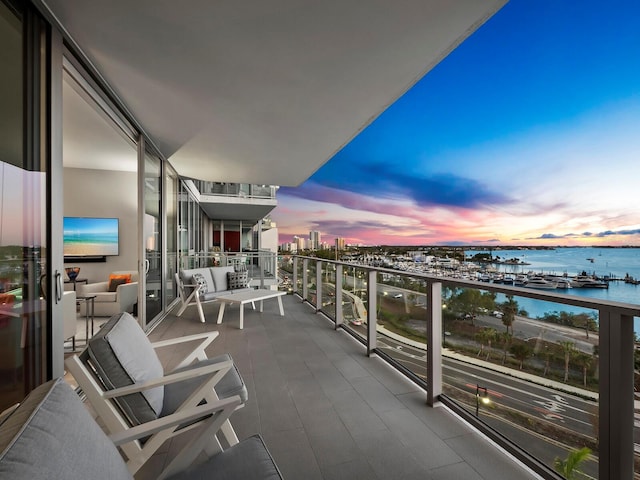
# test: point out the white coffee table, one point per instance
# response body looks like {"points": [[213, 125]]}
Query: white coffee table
{"points": [[248, 296]]}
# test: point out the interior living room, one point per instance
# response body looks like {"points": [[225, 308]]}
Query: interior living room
{"points": [[137, 114]]}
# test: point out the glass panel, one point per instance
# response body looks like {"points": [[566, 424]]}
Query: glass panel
{"points": [[153, 235], [298, 285], [311, 282], [23, 219], [329, 290], [171, 186], [354, 299], [535, 380]]}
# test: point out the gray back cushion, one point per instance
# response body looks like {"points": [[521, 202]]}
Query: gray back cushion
{"points": [[122, 355], [187, 277], [219, 275], [51, 435]]}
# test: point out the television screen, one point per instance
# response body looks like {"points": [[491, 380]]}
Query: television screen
{"points": [[88, 237]]}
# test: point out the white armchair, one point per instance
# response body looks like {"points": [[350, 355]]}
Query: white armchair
{"points": [[109, 303]]}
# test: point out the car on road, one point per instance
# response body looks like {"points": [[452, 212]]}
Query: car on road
{"points": [[397, 295], [497, 314]]}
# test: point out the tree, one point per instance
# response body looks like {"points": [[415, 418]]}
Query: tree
{"points": [[505, 339], [585, 360], [490, 335], [568, 348], [568, 467], [509, 310], [521, 351]]}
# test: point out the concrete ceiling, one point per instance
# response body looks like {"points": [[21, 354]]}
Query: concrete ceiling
{"points": [[263, 91]]}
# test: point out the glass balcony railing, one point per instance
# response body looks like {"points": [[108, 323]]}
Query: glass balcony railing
{"points": [[550, 389], [241, 190], [261, 265]]}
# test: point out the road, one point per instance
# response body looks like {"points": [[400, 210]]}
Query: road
{"points": [[506, 392]]}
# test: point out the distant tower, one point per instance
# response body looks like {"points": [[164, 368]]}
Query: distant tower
{"points": [[340, 243], [314, 240]]}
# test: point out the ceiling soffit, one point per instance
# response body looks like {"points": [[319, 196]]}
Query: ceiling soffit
{"points": [[263, 92]]}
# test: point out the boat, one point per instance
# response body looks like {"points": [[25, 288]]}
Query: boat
{"points": [[585, 281], [540, 283], [561, 282]]}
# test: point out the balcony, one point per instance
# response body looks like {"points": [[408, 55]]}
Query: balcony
{"points": [[261, 265], [328, 411], [552, 389], [235, 201]]}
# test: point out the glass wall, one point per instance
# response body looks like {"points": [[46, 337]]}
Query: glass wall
{"points": [[171, 228], [153, 235], [24, 320]]}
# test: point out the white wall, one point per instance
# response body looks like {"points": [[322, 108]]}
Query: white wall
{"points": [[105, 193], [269, 240]]}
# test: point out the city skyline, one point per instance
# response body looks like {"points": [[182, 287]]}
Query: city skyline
{"points": [[525, 134]]}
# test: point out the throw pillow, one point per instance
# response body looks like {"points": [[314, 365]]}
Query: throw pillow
{"points": [[200, 280], [115, 280], [237, 280]]}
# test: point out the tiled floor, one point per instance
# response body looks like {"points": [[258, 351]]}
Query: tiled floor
{"points": [[326, 410]]}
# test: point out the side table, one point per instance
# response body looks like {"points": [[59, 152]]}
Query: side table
{"points": [[89, 307], [76, 281]]}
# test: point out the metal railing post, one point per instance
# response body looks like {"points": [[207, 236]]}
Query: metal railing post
{"points": [[294, 276], [318, 285], [616, 401], [434, 342], [338, 297], [305, 283], [372, 289]]}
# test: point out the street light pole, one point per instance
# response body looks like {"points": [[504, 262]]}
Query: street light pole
{"points": [[485, 397]]}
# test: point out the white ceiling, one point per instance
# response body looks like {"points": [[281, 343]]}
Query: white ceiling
{"points": [[263, 91], [89, 140]]}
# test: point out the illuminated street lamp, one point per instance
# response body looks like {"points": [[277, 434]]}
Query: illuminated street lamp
{"points": [[484, 398]]}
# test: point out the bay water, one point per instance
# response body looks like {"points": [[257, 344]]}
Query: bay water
{"points": [[572, 261]]}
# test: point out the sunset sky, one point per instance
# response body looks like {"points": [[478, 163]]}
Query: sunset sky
{"points": [[528, 133]]}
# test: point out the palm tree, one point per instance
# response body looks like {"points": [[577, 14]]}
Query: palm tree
{"points": [[505, 339], [521, 351], [509, 310], [481, 337], [568, 467], [490, 335], [585, 361], [568, 348]]}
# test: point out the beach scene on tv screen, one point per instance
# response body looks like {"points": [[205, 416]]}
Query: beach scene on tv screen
{"points": [[90, 236]]}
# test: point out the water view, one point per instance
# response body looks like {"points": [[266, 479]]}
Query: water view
{"points": [[610, 263]]}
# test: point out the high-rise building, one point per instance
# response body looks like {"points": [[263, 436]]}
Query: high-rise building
{"points": [[340, 244], [314, 240]]}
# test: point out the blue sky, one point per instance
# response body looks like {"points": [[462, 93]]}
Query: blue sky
{"points": [[528, 133]]}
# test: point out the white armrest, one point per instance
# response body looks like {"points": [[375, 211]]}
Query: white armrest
{"points": [[221, 368], [226, 407], [187, 338], [197, 352], [127, 295]]}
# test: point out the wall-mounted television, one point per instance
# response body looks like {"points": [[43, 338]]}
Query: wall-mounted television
{"points": [[90, 237]]}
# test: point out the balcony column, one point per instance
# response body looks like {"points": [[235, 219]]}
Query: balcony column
{"points": [[338, 297], [294, 278], [318, 285], [434, 342], [372, 289], [305, 283], [616, 405]]}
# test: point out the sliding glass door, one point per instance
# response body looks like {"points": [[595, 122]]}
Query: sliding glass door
{"points": [[25, 298], [153, 235]]}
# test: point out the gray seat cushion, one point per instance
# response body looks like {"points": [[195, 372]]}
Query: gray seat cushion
{"points": [[231, 384], [248, 460], [51, 435], [122, 355]]}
